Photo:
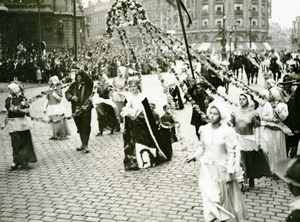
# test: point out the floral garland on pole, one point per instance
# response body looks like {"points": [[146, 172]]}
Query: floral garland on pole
{"points": [[118, 18]]}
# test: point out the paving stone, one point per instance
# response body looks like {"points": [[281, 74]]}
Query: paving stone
{"points": [[66, 185]]}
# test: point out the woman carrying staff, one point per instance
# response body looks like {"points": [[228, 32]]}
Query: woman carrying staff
{"points": [[55, 110], [142, 141], [18, 125], [246, 123], [220, 171]]}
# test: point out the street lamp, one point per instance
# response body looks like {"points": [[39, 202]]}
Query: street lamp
{"points": [[75, 30], [250, 29], [223, 40]]}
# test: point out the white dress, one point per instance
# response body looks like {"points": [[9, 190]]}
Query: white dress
{"points": [[222, 200]]}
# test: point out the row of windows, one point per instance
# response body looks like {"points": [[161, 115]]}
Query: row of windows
{"points": [[217, 23], [237, 8]]}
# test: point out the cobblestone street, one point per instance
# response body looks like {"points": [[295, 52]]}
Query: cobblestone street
{"points": [[66, 185]]}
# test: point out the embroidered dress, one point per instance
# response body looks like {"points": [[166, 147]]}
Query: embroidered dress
{"points": [[222, 200]]}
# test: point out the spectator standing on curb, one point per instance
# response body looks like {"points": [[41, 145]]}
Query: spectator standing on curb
{"points": [[79, 94]]}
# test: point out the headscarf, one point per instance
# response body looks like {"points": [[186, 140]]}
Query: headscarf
{"points": [[272, 82], [276, 92], [249, 99], [15, 88], [224, 114], [54, 80]]}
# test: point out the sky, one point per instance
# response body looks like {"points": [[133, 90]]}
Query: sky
{"points": [[283, 11]]}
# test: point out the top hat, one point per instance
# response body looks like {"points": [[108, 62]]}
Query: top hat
{"points": [[288, 170]]}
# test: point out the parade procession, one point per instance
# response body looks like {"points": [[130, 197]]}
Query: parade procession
{"points": [[150, 110]]}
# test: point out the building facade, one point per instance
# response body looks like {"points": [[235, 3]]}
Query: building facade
{"points": [[34, 21], [241, 20], [296, 34]]}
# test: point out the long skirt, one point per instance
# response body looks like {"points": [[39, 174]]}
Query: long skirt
{"points": [[221, 200], [23, 151], [137, 143], [274, 144], [59, 126], [107, 117], [253, 160]]}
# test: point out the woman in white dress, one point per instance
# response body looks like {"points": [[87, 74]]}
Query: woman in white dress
{"points": [[55, 110], [220, 171]]}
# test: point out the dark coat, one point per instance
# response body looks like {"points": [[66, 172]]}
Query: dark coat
{"points": [[82, 90]]}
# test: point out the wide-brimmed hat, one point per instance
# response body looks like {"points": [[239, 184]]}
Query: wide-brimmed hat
{"points": [[286, 80], [289, 171]]}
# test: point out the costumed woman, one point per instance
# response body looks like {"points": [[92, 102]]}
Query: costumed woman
{"points": [[143, 145], [55, 110], [107, 111], [246, 122], [274, 130], [220, 170], [119, 84], [18, 126]]}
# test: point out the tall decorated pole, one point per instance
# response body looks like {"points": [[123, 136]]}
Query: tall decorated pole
{"points": [[179, 5]]}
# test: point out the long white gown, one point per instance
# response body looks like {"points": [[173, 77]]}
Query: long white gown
{"points": [[222, 200]]}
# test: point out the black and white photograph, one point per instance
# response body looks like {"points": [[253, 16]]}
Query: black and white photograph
{"points": [[149, 110]]}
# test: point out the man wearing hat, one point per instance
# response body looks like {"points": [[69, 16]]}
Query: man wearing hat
{"points": [[287, 87], [288, 170], [79, 94]]}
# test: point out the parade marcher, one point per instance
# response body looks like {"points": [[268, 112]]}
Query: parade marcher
{"points": [[19, 125], [219, 171], [79, 94], [246, 123], [55, 110], [293, 121], [273, 132], [168, 131], [119, 84], [288, 170], [142, 141], [107, 111], [202, 99]]}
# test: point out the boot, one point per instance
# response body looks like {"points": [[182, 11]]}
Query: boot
{"points": [[85, 139]]}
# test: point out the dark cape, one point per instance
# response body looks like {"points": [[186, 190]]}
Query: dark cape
{"points": [[141, 136]]}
